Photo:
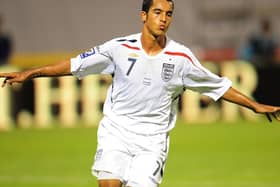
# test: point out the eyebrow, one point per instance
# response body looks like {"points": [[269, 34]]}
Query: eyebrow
{"points": [[158, 9]]}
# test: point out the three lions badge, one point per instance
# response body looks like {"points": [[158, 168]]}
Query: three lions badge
{"points": [[167, 72]]}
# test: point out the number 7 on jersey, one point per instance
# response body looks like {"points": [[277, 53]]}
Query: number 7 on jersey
{"points": [[132, 60]]}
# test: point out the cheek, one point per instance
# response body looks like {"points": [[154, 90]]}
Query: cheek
{"points": [[151, 22], [168, 22]]}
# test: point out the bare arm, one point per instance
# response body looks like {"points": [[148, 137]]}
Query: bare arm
{"points": [[234, 96], [59, 69]]}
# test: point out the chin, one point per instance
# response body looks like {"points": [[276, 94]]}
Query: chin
{"points": [[160, 33]]}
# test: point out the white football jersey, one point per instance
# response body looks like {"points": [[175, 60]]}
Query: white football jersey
{"points": [[145, 89]]}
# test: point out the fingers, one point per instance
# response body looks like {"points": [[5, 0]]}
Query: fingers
{"points": [[5, 80], [276, 115], [9, 79], [5, 75], [268, 117], [4, 83]]}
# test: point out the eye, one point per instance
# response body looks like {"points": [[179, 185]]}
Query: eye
{"points": [[169, 14], [157, 11]]}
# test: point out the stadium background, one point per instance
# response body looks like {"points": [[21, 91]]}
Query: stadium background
{"points": [[69, 25], [240, 153]]}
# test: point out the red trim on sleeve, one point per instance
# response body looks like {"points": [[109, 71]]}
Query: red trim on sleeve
{"points": [[131, 47], [179, 54], [183, 55]]}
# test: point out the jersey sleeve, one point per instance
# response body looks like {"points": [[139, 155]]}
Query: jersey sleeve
{"points": [[199, 79], [97, 60]]}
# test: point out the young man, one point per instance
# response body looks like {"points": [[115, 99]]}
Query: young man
{"points": [[149, 72]]}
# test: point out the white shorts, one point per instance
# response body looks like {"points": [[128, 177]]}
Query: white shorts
{"points": [[136, 160]]}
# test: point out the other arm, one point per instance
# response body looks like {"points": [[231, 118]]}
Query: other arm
{"points": [[234, 96], [59, 69]]}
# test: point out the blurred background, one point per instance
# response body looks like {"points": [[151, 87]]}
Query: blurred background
{"points": [[38, 32], [69, 25], [234, 38]]}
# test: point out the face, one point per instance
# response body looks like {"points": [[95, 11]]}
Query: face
{"points": [[158, 19]]}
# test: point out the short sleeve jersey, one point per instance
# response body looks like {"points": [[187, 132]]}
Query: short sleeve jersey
{"points": [[145, 89]]}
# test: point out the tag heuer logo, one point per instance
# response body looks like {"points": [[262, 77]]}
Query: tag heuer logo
{"points": [[167, 72]]}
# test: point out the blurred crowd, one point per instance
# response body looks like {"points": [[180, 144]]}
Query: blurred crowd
{"points": [[261, 50], [261, 47], [5, 44]]}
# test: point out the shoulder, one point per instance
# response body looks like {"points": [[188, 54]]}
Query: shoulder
{"points": [[133, 38], [178, 46], [176, 49], [129, 40]]}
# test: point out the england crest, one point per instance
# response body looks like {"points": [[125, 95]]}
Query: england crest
{"points": [[167, 72]]}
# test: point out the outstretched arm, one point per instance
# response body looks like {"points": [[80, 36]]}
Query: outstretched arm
{"points": [[234, 96], [59, 69]]}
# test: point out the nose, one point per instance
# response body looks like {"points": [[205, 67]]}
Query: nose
{"points": [[163, 17]]}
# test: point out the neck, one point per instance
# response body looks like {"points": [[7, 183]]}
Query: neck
{"points": [[153, 44]]}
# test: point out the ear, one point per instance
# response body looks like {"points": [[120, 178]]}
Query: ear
{"points": [[143, 15]]}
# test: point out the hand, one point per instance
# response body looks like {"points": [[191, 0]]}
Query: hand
{"points": [[276, 115], [14, 77], [268, 110]]}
